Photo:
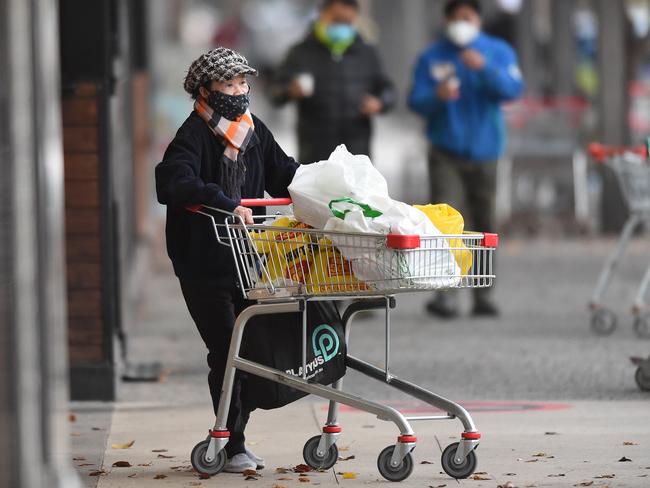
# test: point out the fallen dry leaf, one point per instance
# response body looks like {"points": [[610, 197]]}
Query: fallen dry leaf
{"points": [[85, 464], [159, 450], [348, 475], [426, 462], [145, 464], [624, 460], [132, 475], [585, 483], [72, 417], [203, 476], [304, 480], [196, 483], [507, 485], [478, 477], [532, 460], [78, 458], [278, 485], [251, 478], [630, 443], [284, 478], [540, 454], [605, 476], [282, 470], [347, 458], [301, 468], [160, 477], [164, 456], [100, 472], [123, 446], [250, 472], [122, 464], [480, 472]]}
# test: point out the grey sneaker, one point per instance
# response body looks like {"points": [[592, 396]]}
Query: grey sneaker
{"points": [[239, 463], [259, 462]]}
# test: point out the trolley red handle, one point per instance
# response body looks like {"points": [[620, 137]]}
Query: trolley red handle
{"points": [[263, 202], [600, 152], [249, 202]]}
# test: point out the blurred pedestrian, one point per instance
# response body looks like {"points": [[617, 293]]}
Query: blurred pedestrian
{"points": [[337, 81], [459, 83], [221, 154]]}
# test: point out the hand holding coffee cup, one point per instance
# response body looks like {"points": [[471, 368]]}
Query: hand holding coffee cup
{"points": [[302, 86], [449, 89]]}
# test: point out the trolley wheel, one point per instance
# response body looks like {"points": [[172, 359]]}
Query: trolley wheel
{"points": [[201, 465], [603, 322], [642, 379], [311, 457], [394, 473], [642, 326], [455, 470]]}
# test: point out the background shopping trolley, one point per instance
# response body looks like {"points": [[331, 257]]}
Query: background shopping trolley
{"points": [[632, 169], [397, 256]]}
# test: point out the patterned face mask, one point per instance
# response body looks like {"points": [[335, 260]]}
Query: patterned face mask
{"points": [[230, 107]]}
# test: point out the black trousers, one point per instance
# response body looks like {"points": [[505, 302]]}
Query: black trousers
{"points": [[214, 311]]}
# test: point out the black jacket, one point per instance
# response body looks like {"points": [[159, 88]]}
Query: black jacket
{"points": [[332, 115], [189, 174]]}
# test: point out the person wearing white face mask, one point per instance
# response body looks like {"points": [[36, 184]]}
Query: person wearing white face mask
{"points": [[459, 84]]}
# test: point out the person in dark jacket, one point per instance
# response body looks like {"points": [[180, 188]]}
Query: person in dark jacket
{"points": [[338, 83], [221, 154]]}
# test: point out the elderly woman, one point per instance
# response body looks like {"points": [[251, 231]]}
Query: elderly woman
{"points": [[221, 154]]}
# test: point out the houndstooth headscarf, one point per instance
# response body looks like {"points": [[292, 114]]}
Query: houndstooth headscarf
{"points": [[220, 64]]}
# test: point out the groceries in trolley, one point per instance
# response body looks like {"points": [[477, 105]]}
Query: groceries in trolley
{"points": [[348, 198]]}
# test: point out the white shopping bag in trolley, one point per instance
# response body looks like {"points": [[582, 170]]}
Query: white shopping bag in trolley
{"points": [[346, 194]]}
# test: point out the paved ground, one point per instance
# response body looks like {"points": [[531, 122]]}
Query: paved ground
{"points": [[541, 350]]}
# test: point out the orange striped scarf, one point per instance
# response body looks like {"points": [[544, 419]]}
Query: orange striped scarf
{"points": [[236, 135]]}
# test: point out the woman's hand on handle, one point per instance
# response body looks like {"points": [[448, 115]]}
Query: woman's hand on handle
{"points": [[246, 214]]}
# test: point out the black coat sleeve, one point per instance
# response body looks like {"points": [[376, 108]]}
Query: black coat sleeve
{"points": [[382, 86], [178, 181], [278, 167]]}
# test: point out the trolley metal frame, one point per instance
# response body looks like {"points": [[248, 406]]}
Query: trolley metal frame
{"points": [[632, 169], [395, 462]]}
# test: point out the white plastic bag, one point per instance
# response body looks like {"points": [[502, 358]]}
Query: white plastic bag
{"points": [[342, 175], [346, 193], [431, 266]]}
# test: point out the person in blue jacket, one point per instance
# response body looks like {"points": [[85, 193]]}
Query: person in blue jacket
{"points": [[459, 84]]}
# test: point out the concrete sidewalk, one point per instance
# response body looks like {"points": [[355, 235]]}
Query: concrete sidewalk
{"points": [[531, 444]]}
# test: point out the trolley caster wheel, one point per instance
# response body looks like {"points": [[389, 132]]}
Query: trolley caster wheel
{"points": [[394, 473], [313, 460], [204, 467], [642, 380], [642, 326], [455, 470], [603, 322]]}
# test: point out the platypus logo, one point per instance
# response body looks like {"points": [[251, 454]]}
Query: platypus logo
{"points": [[325, 342]]}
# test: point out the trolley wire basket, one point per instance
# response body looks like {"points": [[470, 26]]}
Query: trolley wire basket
{"points": [[293, 259]]}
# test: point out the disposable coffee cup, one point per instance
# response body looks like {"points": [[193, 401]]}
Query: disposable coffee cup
{"points": [[306, 82]]}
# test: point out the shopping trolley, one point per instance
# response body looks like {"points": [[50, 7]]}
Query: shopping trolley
{"points": [[290, 292], [632, 169]]}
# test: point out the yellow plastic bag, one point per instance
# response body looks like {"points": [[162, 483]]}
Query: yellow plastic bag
{"points": [[331, 272], [288, 252], [448, 220]]}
